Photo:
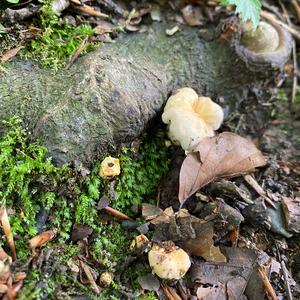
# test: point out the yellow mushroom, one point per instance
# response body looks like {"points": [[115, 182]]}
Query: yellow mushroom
{"points": [[168, 261], [191, 118], [110, 167]]}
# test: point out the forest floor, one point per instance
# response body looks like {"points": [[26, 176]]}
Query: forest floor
{"points": [[70, 234]]}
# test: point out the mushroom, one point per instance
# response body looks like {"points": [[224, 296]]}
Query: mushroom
{"points": [[191, 118], [268, 45], [110, 167], [168, 261], [105, 279]]}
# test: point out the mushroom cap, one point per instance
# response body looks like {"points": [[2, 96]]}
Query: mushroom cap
{"points": [[267, 48], [110, 167], [169, 263], [264, 38], [191, 118]]}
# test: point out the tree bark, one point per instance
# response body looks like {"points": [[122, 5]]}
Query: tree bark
{"points": [[109, 96]]}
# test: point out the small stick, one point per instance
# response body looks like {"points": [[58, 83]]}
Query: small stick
{"points": [[296, 8], [170, 293], [270, 17], [267, 284], [90, 277], [119, 215], [252, 182], [90, 11], [7, 231], [286, 281], [295, 65], [77, 53]]}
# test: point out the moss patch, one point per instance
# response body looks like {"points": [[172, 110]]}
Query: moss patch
{"points": [[31, 186]]}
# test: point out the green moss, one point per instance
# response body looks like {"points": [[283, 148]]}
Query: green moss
{"points": [[141, 174], [147, 296], [58, 41], [30, 183], [28, 180], [111, 245]]}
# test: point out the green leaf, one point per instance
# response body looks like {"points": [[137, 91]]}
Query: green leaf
{"points": [[247, 9], [13, 1]]}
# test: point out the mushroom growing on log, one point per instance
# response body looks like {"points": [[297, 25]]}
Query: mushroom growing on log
{"points": [[109, 96]]}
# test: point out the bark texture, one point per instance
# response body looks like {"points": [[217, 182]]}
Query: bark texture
{"points": [[109, 96]]}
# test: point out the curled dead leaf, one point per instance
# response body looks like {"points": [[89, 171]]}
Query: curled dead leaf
{"points": [[225, 155], [42, 239]]}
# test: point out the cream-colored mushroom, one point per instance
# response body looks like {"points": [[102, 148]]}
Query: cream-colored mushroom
{"points": [[191, 118], [168, 261], [110, 167]]}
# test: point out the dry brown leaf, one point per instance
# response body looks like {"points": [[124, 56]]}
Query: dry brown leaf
{"points": [[42, 238], [203, 244], [225, 155], [10, 54]]}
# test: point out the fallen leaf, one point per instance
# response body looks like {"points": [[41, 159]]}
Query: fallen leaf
{"points": [[80, 232], [215, 292], [42, 239], [150, 211], [10, 54], [291, 209], [225, 155], [203, 244], [72, 265], [234, 275]]}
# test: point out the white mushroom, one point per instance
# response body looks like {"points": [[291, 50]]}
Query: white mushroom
{"points": [[110, 167], [191, 118]]}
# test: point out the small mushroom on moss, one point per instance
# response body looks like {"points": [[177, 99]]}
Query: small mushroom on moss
{"points": [[191, 118], [105, 279], [110, 167], [168, 261]]}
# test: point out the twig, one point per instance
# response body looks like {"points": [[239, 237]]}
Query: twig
{"points": [[270, 17], [89, 10], [286, 281], [170, 293], [296, 8], [267, 284], [295, 65], [7, 231], [252, 182], [119, 215], [77, 53], [90, 277]]}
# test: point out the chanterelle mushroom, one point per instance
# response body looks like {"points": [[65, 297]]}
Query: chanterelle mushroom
{"points": [[191, 118]]}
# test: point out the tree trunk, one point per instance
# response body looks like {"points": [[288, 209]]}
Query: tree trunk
{"points": [[109, 96]]}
